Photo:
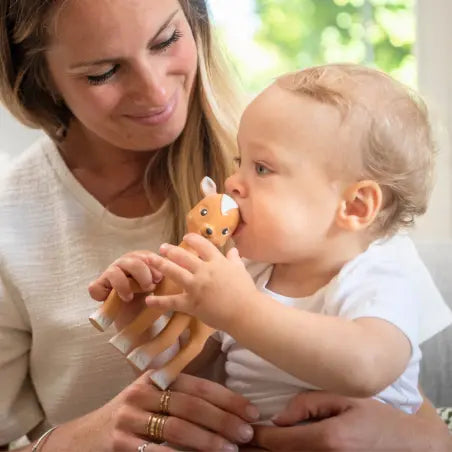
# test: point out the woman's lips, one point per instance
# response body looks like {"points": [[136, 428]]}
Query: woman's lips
{"points": [[156, 116]]}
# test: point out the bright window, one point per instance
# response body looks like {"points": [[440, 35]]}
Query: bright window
{"points": [[267, 37]]}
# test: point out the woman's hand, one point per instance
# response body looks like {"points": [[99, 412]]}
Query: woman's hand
{"points": [[348, 424], [202, 416]]}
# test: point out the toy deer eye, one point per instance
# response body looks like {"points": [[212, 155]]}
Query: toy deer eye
{"points": [[203, 212], [225, 231]]}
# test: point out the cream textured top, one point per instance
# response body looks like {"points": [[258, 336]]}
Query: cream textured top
{"points": [[54, 239]]}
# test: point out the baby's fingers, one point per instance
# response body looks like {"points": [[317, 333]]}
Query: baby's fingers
{"points": [[138, 268], [178, 302], [112, 278]]}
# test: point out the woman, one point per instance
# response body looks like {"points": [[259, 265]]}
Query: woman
{"points": [[127, 92]]}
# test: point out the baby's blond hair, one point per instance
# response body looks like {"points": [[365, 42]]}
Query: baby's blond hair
{"points": [[396, 145]]}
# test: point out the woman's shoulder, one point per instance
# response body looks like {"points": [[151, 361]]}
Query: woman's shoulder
{"points": [[26, 173]]}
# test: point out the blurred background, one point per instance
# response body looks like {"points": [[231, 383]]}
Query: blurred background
{"points": [[267, 37], [409, 39]]}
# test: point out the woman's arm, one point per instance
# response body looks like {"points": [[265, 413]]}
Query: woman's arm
{"points": [[348, 424]]}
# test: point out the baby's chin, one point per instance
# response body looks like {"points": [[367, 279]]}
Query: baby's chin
{"points": [[252, 254]]}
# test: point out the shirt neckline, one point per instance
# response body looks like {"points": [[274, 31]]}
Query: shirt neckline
{"points": [[89, 202]]}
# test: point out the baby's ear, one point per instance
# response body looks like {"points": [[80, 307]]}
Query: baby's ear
{"points": [[359, 206]]}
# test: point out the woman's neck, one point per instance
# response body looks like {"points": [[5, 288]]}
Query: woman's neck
{"points": [[111, 175]]}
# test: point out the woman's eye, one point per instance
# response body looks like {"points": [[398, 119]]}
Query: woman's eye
{"points": [[261, 170], [102, 78], [162, 46], [237, 161]]}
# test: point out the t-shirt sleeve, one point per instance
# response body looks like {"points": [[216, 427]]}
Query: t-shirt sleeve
{"points": [[382, 290], [19, 407]]}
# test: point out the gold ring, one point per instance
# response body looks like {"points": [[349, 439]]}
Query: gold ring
{"points": [[164, 401], [155, 426]]}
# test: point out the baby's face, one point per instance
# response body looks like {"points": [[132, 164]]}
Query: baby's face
{"points": [[284, 186]]}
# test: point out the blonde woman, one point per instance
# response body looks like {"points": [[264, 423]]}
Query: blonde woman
{"points": [[136, 108]]}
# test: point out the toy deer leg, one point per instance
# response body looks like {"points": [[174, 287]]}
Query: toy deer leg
{"points": [[129, 335], [199, 333], [106, 314], [142, 356]]}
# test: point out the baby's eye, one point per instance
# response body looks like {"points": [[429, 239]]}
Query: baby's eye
{"points": [[261, 170], [203, 212], [225, 231]]}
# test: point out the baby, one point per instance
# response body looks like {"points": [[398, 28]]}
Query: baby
{"points": [[334, 162]]}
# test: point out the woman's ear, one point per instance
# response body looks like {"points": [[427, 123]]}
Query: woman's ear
{"points": [[359, 206]]}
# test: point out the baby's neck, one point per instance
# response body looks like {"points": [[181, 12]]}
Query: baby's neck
{"points": [[305, 277]]}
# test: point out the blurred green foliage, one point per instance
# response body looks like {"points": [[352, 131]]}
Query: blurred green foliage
{"points": [[302, 33]]}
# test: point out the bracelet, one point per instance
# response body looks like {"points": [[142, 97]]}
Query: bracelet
{"points": [[42, 439]]}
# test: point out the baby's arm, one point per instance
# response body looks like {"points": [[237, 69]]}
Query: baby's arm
{"points": [[358, 354], [353, 357]]}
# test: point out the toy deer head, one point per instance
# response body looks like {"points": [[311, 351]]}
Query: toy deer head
{"points": [[215, 217]]}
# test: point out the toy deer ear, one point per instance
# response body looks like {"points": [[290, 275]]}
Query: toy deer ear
{"points": [[208, 186]]}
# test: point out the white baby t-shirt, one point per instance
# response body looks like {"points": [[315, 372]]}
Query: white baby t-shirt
{"points": [[387, 281]]}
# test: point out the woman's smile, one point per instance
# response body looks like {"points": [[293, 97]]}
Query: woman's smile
{"points": [[157, 115]]}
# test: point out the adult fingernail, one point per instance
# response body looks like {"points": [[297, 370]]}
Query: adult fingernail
{"points": [[252, 412], [228, 447], [246, 432]]}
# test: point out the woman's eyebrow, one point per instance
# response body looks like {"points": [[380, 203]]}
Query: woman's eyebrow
{"points": [[110, 60]]}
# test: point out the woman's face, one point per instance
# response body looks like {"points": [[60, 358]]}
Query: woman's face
{"points": [[125, 69]]}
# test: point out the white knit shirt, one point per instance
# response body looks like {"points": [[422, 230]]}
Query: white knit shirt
{"points": [[54, 239]]}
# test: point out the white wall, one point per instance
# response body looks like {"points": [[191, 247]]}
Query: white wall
{"points": [[434, 50], [14, 137]]}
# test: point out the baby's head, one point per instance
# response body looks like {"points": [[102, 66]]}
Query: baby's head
{"points": [[392, 140], [326, 151]]}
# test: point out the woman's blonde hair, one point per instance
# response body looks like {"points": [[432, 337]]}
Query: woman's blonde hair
{"points": [[208, 141], [396, 148]]}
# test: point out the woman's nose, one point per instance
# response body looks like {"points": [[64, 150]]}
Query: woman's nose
{"points": [[150, 88], [234, 186]]}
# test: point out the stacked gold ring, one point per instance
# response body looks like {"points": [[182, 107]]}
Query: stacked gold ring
{"points": [[164, 401], [155, 426]]}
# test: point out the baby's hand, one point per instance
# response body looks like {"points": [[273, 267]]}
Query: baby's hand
{"points": [[135, 265], [215, 286]]}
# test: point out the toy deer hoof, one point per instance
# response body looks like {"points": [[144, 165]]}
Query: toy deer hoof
{"points": [[121, 342], [139, 358], [100, 321], [161, 379]]}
